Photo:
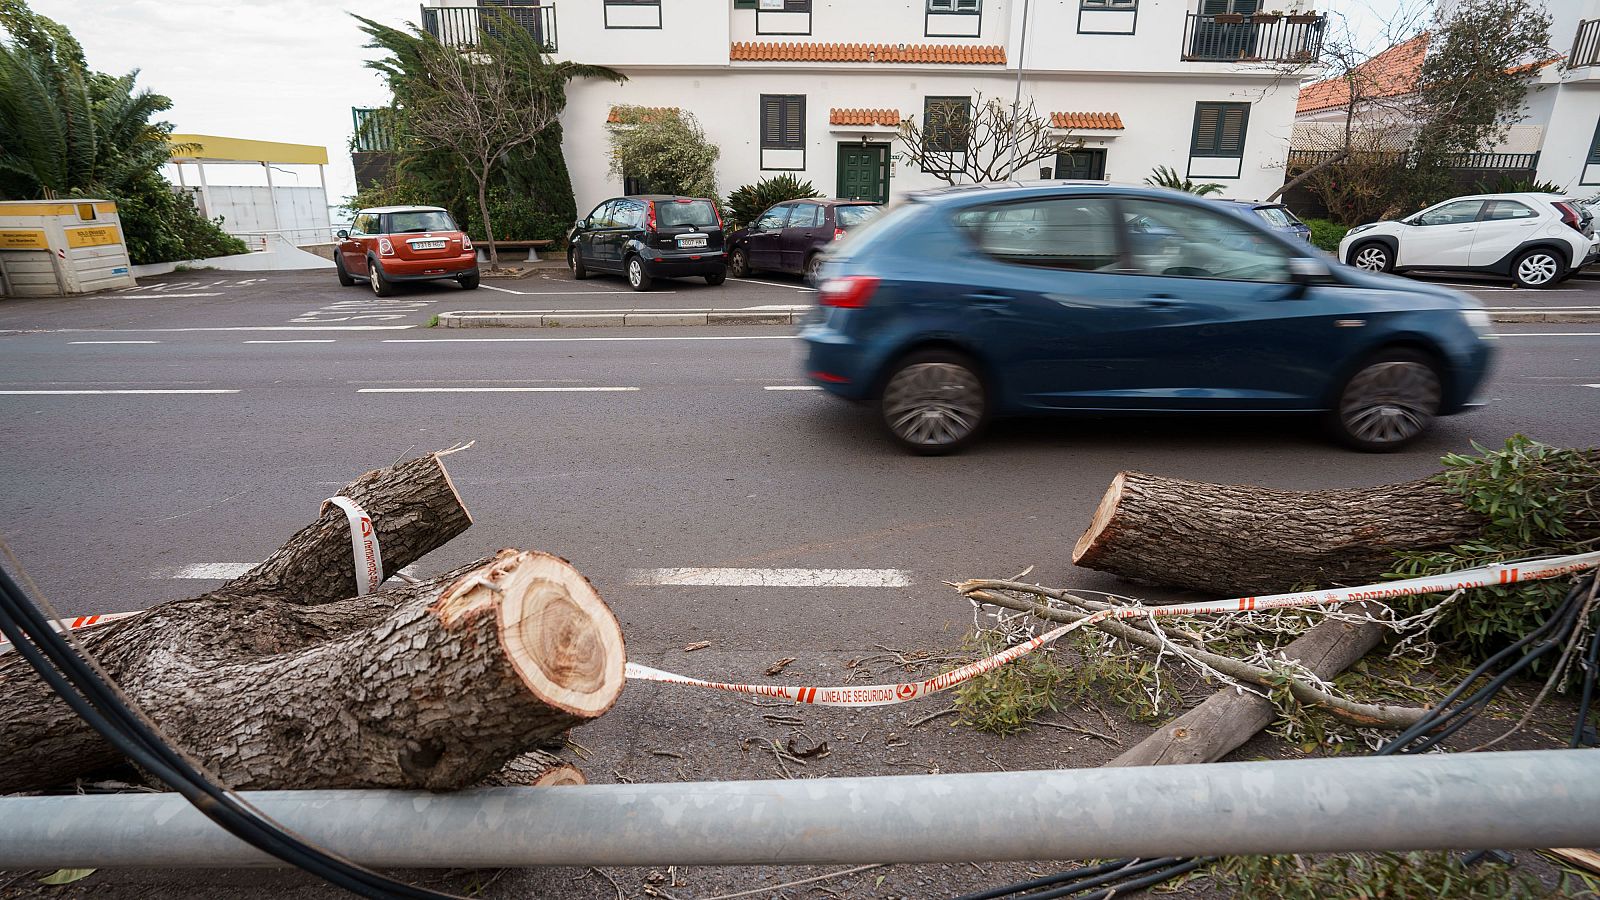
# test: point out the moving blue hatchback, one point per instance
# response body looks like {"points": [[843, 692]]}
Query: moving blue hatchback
{"points": [[973, 302]]}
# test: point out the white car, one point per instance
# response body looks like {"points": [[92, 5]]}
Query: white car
{"points": [[1535, 239]]}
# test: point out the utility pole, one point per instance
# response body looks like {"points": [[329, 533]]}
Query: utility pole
{"points": [[1016, 102]]}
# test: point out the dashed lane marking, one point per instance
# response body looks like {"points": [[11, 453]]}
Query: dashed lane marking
{"points": [[791, 387], [296, 341], [563, 340], [720, 577], [120, 391], [498, 390], [113, 342]]}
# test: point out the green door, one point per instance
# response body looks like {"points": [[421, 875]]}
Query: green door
{"points": [[864, 172]]}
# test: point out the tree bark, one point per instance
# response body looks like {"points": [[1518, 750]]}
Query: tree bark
{"points": [[430, 686], [1240, 540], [1228, 718], [536, 768]]}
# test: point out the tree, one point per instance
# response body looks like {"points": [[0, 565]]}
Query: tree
{"points": [[665, 150], [478, 105], [1167, 177], [981, 141]]}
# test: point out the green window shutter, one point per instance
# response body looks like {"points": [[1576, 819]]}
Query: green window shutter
{"points": [[783, 121], [1594, 147], [1220, 129], [744, 4]]}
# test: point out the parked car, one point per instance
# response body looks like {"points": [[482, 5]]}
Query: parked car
{"points": [[792, 236], [1276, 215], [1535, 239], [944, 314], [390, 245], [647, 237]]}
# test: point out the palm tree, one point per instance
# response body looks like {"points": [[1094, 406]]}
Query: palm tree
{"points": [[1165, 176]]}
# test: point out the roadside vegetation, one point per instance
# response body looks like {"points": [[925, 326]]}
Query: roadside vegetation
{"points": [[663, 151], [751, 200], [1326, 235], [69, 132]]}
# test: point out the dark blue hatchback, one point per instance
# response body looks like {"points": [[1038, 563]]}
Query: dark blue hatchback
{"points": [[973, 302]]}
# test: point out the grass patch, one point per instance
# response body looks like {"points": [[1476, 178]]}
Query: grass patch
{"points": [[1392, 876], [1326, 235], [433, 322]]}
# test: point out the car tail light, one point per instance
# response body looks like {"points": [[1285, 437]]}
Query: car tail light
{"points": [[850, 292], [1570, 215], [385, 246], [838, 233], [718, 213], [466, 242], [650, 216]]}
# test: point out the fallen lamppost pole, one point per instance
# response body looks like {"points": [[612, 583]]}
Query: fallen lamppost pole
{"points": [[1511, 800]]}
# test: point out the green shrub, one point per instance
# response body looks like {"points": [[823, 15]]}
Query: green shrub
{"points": [[752, 200], [161, 225], [1168, 177], [1326, 235]]}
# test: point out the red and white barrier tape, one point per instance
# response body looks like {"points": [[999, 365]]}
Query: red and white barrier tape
{"points": [[888, 694], [364, 547]]}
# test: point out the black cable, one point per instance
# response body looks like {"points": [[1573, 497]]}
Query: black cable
{"points": [[1047, 881], [1591, 662], [93, 698]]}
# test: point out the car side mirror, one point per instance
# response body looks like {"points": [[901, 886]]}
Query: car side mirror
{"points": [[343, 235], [1304, 271]]}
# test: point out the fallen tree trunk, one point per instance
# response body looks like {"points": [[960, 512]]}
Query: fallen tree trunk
{"points": [[432, 686], [1238, 540], [536, 768]]}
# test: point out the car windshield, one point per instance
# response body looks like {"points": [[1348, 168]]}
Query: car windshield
{"points": [[1276, 216], [678, 213], [420, 221], [851, 216]]}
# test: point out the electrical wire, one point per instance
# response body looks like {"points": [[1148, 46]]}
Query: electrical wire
{"points": [[70, 672], [1441, 722]]}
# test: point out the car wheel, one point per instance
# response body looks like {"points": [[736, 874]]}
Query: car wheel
{"points": [[1373, 257], [716, 279], [1388, 402], [380, 284], [1538, 268], [345, 279], [813, 267], [934, 402], [575, 263], [470, 281], [739, 263], [638, 278]]}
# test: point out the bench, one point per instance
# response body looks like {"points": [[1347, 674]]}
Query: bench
{"points": [[533, 248]]}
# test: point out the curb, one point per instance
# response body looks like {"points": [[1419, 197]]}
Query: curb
{"points": [[1535, 316], [605, 319]]}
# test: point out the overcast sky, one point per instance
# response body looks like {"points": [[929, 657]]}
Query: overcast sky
{"points": [[289, 70]]}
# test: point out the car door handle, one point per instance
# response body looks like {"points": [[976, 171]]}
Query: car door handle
{"points": [[1161, 301], [992, 303]]}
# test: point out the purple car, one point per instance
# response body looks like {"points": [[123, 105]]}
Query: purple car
{"points": [[791, 236]]}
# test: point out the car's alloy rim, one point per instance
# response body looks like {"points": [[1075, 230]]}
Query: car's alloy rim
{"points": [[737, 264], [933, 404], [1372, 259], [635, 273], [1537, 269], [572, 259], [373, 278], [1390, 402], [813, 265]]}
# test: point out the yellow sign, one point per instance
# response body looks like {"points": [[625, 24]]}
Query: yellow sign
{"points": [[46, 208], [26, 239], [93, 237], [211, 148]]}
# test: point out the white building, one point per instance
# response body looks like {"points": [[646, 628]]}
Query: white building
{"points": [[817, 88], [1557, 136]]}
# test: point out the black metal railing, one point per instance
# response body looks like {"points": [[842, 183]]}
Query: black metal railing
{"points": [[465, 27], [1585, 45], [1300, 160], [1253, 38], [372, 130]]}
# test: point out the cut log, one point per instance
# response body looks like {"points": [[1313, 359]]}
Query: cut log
{"points": [[1229, 718], [431, 686], [1239, 540], [536, 768]]}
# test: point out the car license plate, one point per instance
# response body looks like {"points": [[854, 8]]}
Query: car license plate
{"points": [[427, 245], [691, 240]]}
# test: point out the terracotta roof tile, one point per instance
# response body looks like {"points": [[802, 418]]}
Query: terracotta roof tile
{"points": [[1101, 121], [785, 51], [1392, 73], [889, 117], [615, 116]]}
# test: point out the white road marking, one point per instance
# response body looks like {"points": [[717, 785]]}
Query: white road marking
{"points": [[113, 342], [792, 287], [223, 571], [554, 340], [166, 296], [229, 328], [791, 387], [293, 341], [561, 293], [1509, 334], [161, 391], [498, 390], [1592, 385], [715, 577]]}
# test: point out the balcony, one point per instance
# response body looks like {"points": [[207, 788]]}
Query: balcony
{"points": [[1255, 39], [1586, 45], [464, 27]]}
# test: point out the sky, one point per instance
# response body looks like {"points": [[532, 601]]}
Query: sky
{"points": [[290, 70]]}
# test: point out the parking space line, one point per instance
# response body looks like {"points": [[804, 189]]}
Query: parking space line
{"points": [[119, 391], [113, 342], [793, 287], [791, 387], [498, 390], [164, 296], [719, 577], [562, 293]]}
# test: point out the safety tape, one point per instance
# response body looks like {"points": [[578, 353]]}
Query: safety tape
{"points": [[364, 547], [889, 694]]}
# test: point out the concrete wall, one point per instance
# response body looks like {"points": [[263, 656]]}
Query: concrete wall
{"points": [[247, 211]]}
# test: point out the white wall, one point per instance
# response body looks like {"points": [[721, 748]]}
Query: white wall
{"points": [[247, 212], [1158, 113], [877, 22], [691, 33]]}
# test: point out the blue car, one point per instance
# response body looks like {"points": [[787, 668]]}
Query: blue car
{"points": [[969, 303], [1276, 216]]}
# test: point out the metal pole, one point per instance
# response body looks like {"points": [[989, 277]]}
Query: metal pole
{"points": [[1511, 800], [1016, 102]]}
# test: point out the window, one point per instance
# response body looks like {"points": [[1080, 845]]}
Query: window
{"points": [[1594, 147], [945, 122], [1219, 129], [1458, 212], [955, 6], [1500, 210], [1277, 216], [1179, 240], [632, 13], [1076, 233], [773, 219], [783, 121], [1109, 4], [1218, 7], [777, 5], [851, 216], [633, 2], [685, 213], [630, 215], [805, 215], [601, 217], [420, 221]]}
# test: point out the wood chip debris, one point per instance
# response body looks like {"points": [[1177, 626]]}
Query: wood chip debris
{"points": [[697, 645], [780, 665]]}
